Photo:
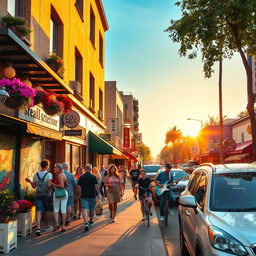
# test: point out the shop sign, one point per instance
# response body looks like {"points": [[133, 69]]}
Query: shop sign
{"points": [[73, 132], [126, 137], [194, 150], [106, 136], [37, 115], [229, 145], [113, 125], [71, 119]]}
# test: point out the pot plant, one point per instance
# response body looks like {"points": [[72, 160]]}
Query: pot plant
{"points": [[17, 24], [24, 226], [21, 95], [56, 64], [8, 222]]}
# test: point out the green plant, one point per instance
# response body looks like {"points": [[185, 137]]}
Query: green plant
{"points": [[18, 22], [8, 205], [55, 59]]}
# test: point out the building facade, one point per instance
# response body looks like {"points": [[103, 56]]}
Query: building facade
{"points": [[75, 32]]}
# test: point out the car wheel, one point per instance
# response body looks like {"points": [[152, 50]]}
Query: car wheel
{"points": [[183, 248]]}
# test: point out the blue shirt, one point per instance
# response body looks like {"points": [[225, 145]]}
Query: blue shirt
{"points": [[71, 182], [162, 177]]}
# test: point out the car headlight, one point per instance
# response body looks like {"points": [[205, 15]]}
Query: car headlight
{"points": [[224, 242]]}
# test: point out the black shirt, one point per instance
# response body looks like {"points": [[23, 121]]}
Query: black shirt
{"points": [[87, 182], [135, 173], [145, 183]]}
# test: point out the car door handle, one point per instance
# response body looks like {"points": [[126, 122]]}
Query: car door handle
{"points": [[187, 213]]}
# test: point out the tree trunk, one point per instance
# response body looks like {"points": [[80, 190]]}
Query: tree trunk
{"points": [[251, 100]]}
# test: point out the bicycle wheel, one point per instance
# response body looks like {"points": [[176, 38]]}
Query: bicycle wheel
{"points": [[166, 211]]}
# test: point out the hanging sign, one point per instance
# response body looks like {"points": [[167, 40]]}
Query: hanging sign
{"points": [[71, 119], [126, 137], [229, 145]]}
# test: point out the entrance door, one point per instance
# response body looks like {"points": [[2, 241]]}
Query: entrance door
{"points": [[49, 153]]}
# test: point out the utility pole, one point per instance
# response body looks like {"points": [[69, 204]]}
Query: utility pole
{"points": [[220, 109]]}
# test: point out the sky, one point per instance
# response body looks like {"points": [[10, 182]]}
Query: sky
{"points": [[144, 61]]}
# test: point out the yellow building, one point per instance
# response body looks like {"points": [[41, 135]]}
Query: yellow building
{"points": [[75, 31]]}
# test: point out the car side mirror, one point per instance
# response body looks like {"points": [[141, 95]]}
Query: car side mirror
{"points": [[188, 201]]}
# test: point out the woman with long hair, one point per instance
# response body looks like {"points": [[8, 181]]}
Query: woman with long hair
{"points": [[113, 184], [77, 194], [59, 204], [95, 171]]}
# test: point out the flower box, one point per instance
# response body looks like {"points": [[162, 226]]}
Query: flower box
{"points": [[8, 236], [24, 226]]}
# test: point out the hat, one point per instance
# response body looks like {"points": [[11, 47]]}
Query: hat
{"points": [[168, 166]]}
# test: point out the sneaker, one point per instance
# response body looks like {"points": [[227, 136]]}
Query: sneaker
{"points": [[135, 197], [91, 222], [67, 223], [74, 217], [49, 228], [86, 227], [162, 218], [143, 218], [38, 232], [171, 212]]}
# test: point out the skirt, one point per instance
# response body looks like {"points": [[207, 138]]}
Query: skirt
{"points": [[114, 194]]}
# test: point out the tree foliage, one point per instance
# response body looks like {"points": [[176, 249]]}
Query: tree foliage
{"points": [[145, 153], [173, 135], [218, 29]]}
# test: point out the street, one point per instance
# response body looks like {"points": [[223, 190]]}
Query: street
{"points": [[171, 232]]}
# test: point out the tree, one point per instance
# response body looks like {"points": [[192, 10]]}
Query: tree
{"points": [[172, 136], [145, 153], [213, 120], [218, 29]]}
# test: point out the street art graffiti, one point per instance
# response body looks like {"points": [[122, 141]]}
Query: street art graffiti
{"points": [[7, 161]]}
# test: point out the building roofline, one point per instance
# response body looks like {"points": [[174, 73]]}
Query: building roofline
{"points": [[102, 14]]}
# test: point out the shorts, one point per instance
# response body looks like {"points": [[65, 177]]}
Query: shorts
{"points": [[43, 203], [134, 182], [70, 201], [88, 203], [141, 197]]}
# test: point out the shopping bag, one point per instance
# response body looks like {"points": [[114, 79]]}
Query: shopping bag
{"points": [[99, 207]]}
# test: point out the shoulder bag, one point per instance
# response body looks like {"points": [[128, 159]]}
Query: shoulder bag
{"points": [[60, 192]]}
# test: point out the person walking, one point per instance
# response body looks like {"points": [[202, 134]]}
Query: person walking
{"points": [[134, 175], [77, 194], [103, 173], [89, 186], [59, 203], [122, 175], [42, 182], [113, 184], [72, 184], [95, 171], [163, 177]]}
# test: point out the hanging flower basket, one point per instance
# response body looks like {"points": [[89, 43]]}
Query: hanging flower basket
{"points": [[39, 96], [21, 95]]}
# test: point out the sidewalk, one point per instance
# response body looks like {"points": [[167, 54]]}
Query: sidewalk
{"points": [[127, 236]]}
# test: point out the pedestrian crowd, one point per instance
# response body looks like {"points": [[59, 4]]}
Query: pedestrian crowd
{"points": [[75, 196]]}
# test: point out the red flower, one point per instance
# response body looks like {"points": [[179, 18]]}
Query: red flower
{"points": [[24, 205], [66, 102]]}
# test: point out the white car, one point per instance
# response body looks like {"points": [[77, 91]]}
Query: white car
{"points": [[217, 211]]}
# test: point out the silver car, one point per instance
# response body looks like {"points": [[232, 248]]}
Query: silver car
{"points": [[217, 211]]}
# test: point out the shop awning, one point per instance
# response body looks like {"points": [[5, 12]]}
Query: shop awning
{"points": [[44, 132], [15, 52], [100, 146], [131, 156], [123, 156], [242, 148], [237, 157]]}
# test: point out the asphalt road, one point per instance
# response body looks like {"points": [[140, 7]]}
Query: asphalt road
{"points": [[170, 233]]}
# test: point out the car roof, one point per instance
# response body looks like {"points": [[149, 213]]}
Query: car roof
{"points": [[227, 168]]}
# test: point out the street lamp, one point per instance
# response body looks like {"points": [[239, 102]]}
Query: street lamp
{"points": [[196, 120]]}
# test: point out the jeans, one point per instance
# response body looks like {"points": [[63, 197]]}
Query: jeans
{"points": [[171, 196], [102, 187]]}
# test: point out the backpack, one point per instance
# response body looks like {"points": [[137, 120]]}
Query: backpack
{"points": [[40, 186]]}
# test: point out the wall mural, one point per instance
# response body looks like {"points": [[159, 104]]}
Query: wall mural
{"points": [[31, 156], [7, 161]]}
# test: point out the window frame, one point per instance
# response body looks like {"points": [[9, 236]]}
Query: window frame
{"points": [[92, 93], [101, 49], [79, 69], [79, 4], [92, 26]]}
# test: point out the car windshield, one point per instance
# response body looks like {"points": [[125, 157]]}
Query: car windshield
{"points": [[151, 168], [179, 175], [233, 192]]}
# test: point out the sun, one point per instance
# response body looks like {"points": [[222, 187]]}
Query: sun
{"points": [[191, 130]]}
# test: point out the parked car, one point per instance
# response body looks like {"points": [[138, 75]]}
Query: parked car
{"points": [[217, 211], [177, 188], [151, 170]]}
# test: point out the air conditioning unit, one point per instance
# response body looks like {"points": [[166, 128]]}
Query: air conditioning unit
{"points": [[100, 114], [76, 86]]}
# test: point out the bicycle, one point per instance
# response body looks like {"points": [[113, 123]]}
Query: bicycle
{"points": [[145, 205]]}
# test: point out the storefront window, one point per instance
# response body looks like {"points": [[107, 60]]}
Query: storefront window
{"points": [[68, 154], [75, 157]]}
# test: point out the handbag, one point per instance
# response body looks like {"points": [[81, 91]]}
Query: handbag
{"points": [[99, 208], [60, 192]]}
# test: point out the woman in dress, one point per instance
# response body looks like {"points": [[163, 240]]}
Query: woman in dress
{"points": [[113, 184], [122, 175], [77, 194], [59, 204]]}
